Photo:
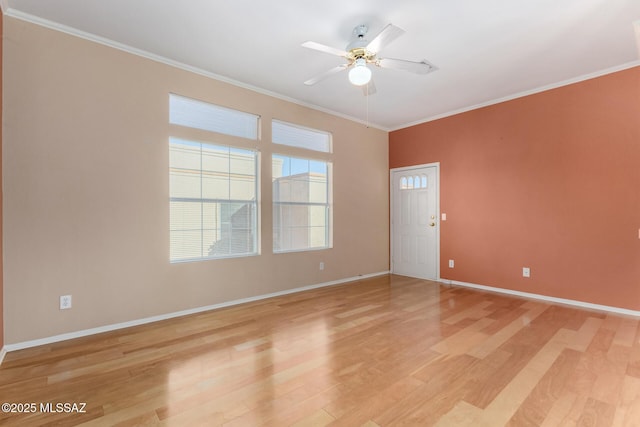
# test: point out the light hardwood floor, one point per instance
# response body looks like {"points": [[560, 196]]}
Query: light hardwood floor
{"points": [[386, 351]]}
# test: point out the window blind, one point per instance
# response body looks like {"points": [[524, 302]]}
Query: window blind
{"points": [[299, 136], [202, 115]]}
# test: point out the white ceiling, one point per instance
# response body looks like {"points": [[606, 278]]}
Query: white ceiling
{"points": [[485, 50]]}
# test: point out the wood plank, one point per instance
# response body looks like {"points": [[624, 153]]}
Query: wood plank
{"points": [[597, 414], [535, 408]]}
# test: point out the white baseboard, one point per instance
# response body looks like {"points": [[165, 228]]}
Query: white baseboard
{"points": [[113, 327], [575, 303], [3, 353]]}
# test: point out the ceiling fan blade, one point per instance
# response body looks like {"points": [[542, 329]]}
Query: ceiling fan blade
{"points": [[326, 74], [323, 48], [384, 37], [422, 67], [369, 88]]}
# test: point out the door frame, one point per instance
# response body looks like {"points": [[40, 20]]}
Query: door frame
{"points": [[392, 196]]}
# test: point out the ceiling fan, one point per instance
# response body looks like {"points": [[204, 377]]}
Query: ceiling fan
{"points": [[361, 52]]}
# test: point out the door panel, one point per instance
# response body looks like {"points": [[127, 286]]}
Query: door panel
{"points": [[415, 222]]}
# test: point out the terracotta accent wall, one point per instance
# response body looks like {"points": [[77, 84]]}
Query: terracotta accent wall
{"points": [[86, 187], [549, 181]]}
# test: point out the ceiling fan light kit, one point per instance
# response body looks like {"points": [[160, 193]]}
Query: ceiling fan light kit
{"points": [[361, 52], [360, 74]]}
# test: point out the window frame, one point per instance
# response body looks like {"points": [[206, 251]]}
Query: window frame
{"points": [[328, 205], [254, 203], [199, 122]]}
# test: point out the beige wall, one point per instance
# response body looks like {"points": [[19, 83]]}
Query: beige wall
{"points": [[85, 164]]}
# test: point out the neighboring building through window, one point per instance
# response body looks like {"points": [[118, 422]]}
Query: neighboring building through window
{"points": [[301, 208], [213, 201]]}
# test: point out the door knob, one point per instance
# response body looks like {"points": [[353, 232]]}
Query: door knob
{"points": [[432, 224]]}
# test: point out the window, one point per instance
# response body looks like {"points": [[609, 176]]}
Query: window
{"points": [[412, 183], [298, 136], [301, 204], [213, 188], [213, 201]]}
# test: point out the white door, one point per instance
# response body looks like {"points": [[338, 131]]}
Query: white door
{"points": [[415, 222]]}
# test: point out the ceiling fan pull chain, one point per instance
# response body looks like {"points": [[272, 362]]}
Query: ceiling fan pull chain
{"points": [[367, 97]]}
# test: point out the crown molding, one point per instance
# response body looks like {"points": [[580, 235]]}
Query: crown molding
{"points": [[158, 58], [163, 60], [540, 89]]}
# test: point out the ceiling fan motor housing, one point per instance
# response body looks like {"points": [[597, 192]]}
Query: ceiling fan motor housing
{"points": [[358, 48]]}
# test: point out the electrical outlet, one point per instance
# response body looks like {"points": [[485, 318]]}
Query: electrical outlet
{"points": [[451, 263], [526, 272], [65, 302], [322, 266]]}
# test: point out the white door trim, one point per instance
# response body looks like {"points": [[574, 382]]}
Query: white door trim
{"points": [[392, 197]]}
